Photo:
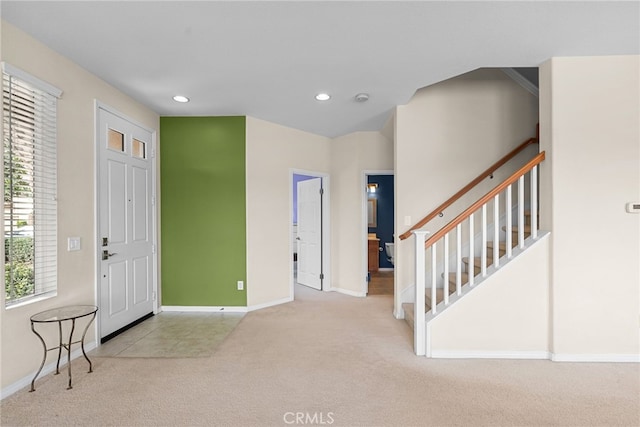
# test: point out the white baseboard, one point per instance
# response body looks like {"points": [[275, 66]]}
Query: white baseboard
{"points": [[269, 304], [350, 293], [455, 354], [223, 309], [206, 309], [398, 314], [47, 369], [535, 355], [612, 358]]}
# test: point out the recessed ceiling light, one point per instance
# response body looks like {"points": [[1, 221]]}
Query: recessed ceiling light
{"points": [[180, 98], [323, 97], [362, 97]]}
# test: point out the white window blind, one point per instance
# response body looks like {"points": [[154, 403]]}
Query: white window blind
{"points": [[30, 185]]}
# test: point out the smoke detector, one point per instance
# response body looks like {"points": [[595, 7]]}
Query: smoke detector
{"points": [[362, 97]]}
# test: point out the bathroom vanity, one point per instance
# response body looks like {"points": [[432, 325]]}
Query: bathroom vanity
{"points": [[373, 254]]}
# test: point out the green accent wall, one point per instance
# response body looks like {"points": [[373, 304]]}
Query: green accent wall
{"points": [[203, 210]]}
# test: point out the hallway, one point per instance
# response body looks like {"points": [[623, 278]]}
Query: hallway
{"points": [[381, 283]]}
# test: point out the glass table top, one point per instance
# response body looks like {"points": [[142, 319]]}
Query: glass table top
{"points": [[64, 313]]}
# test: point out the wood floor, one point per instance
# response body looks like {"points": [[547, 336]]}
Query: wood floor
{"points": [[381, 283]]}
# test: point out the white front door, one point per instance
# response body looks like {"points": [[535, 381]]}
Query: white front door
{"points": [[125, 240], [310, 233]]}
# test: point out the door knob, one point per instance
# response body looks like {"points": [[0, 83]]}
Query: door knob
{"points": [[106, 254]]}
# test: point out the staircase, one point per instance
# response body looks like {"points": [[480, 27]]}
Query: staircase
{"points": [[464, 254], [464, 276]]}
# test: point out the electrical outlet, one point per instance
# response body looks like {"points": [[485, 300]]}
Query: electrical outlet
{"points": [[240, 285]]}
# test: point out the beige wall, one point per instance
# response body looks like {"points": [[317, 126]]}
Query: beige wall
{"points": [[351, 155], [21, 351], [506, 317], [590, 117], [447, 135], [272, 152]]}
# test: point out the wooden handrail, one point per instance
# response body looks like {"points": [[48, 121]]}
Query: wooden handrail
{"points": [[484, 199], [469, 186]]}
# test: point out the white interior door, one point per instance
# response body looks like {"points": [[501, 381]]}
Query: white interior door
{"points": [[125, 240], [310, 233]]}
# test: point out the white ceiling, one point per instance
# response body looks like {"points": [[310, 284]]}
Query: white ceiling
{"points": [[268, 59]]}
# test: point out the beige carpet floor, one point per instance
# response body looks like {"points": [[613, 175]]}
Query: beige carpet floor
{"points": [[338, 361]]}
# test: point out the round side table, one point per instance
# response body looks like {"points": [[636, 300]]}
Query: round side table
{"points": [[69, 313]]}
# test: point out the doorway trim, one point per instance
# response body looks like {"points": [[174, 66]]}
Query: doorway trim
{"points": [[98, 105], [326, 228], [365, 231]]}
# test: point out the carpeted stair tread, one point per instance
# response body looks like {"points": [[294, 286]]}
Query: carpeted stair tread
{"points": [[477, 261], [502, 247], [464, 279], [408, 306], [408, 313], [514, 229]]}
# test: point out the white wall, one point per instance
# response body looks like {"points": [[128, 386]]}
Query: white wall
{"points": [[590, 125], [21, 350], [508, 316], [350, 156], [446, 136], [272, 151]]}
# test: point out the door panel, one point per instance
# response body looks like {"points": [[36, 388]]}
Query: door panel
{"points": [[140, 199], [125, 209], [140, 280], [117, 203], [117, 288], [310, 233]]}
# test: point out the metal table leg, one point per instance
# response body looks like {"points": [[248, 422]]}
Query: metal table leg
{"points": [[59, 347], [68, 346], [82, 342], [44, 357]]}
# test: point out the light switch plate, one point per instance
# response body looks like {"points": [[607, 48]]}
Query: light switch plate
{"points": [[73, 244], [633, 207]]}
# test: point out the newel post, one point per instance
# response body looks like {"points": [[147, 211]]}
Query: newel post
{"points": [[419, 335]]}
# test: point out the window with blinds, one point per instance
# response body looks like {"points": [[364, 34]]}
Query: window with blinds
{"points": [[30, 185]]}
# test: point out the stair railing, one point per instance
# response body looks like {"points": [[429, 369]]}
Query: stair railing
{"points": [[464, 224], [489, 172]]}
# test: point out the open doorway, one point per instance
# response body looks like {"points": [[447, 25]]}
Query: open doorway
{"points": [[309, 230], [380, 233]]}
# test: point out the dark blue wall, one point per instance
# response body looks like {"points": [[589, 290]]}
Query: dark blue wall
{"points": [[384, 230]]}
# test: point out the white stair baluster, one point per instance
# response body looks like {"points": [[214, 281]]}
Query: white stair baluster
{"points": [[483, 250], [434, 273], [521, 212], [471, 272], [496, 231], [445, 257], [509, 225], [534, 202], [459, 259], [419, 331]]}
